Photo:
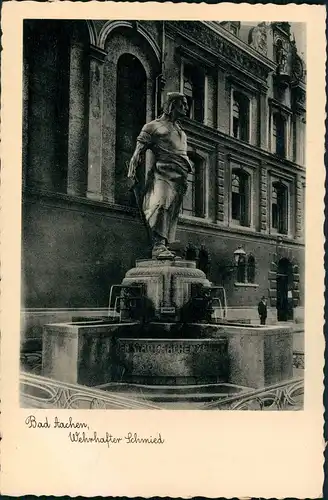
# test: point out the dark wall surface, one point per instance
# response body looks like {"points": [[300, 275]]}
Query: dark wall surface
{"points": [[72, 252]]}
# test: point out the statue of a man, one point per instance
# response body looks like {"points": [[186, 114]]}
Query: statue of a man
{"points": [[166, 183]]}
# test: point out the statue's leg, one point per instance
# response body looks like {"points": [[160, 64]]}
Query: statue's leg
{"points": [[161, 208], [158, 240], [160, 249], [175, 208]]}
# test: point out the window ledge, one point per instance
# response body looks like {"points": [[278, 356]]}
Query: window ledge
{"points": [[246, 285], [283, 236], [194, 218], [248, 229], [243, 141]]}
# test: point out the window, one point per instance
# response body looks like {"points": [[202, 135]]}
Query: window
{"points": [[251, 269], [240, 195], [241, 269], [232, 26], [233, 29], [193, 88], [194, 199], [131, 94], [279, 208], [279, 135], [188, 206], [246, 270], [240, 116]]}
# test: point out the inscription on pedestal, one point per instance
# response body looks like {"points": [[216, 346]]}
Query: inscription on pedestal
{"points": [[161, 359], [167, 348]]}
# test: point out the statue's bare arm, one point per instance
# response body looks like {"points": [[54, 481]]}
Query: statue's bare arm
{"points": [[141, 147], [135, 160]]}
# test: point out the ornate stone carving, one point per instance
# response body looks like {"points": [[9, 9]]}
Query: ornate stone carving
{"points": [[258, 38], [167, 283], [228, 52], [282, 53], [297, 68], [282, 26]]}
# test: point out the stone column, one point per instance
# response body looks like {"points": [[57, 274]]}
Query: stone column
{"points": [[77, 133], [288, 136], [205, 100], [220, 186], [181, 76], [303, 159], [223, 102], [94, 183], [300, 140], [264, 122]]}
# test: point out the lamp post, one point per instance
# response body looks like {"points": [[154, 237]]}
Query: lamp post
{"points": [[239, 255]]}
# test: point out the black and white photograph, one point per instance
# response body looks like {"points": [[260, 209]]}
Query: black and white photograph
{"points": [[162, 248], [163, 214]]}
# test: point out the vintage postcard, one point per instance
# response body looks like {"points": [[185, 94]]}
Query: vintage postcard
{"points": [[162, 249]]}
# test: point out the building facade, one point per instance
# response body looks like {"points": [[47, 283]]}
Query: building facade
{"points": [[89, 86]]}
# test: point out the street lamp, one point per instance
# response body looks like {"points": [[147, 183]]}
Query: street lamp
{"points": [[239, 255]]}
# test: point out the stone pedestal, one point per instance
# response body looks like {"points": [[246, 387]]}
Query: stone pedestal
{"points": [[167, 284]]}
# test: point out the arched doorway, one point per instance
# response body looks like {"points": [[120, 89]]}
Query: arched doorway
{"points": [[131, 93], [284, 290]]}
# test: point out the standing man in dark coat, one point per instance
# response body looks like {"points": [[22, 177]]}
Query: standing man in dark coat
{"points": [[263, 310]]}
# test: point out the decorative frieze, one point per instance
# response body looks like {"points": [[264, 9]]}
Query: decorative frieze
{"points": [[219, 46]]}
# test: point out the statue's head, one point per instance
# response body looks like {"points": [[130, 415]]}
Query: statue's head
{"points": [[176, 103]]}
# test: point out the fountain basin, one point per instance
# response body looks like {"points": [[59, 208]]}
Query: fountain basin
{"points": [[94, 353]]}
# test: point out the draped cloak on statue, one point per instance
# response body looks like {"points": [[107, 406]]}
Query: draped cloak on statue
{"points": [[166, 182]]}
